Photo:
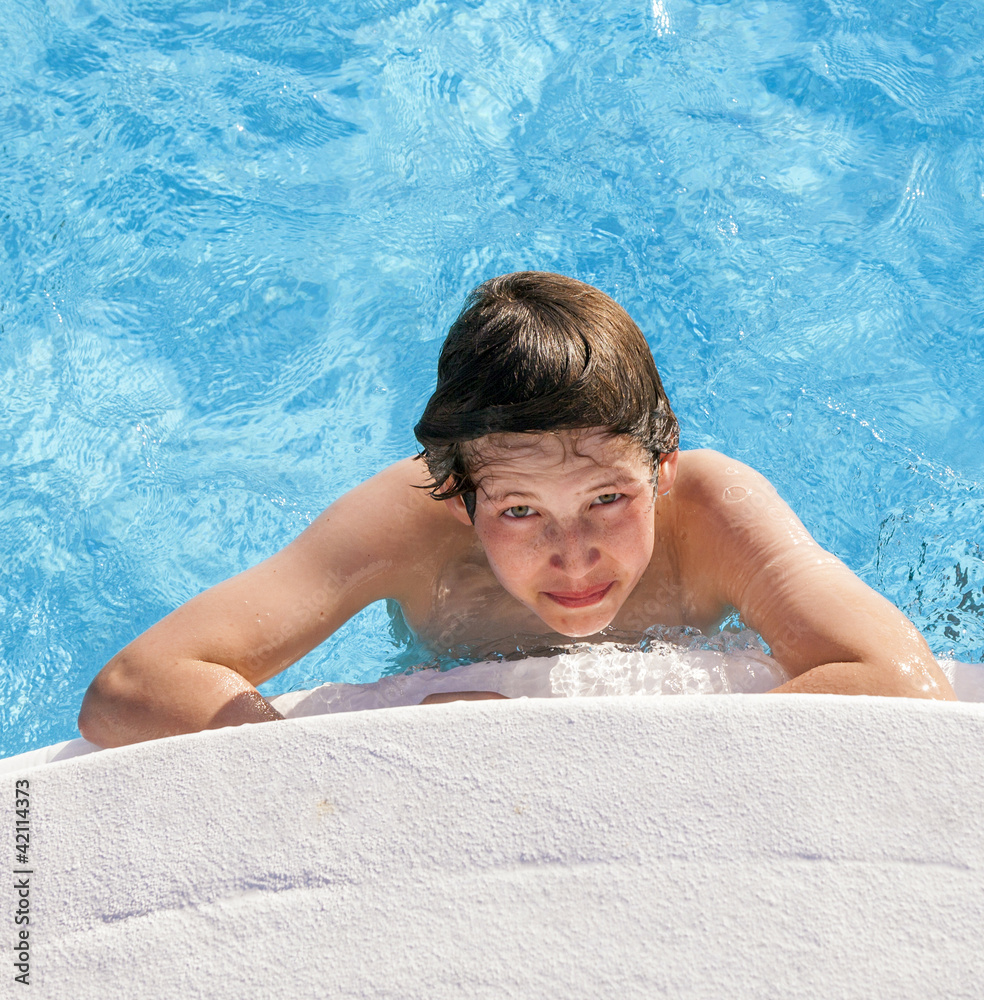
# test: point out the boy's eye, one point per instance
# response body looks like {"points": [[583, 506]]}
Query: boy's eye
{"points": [[519, 512], [607, 498]]}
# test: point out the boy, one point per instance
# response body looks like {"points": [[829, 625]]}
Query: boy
{"points": [[552, 501]]}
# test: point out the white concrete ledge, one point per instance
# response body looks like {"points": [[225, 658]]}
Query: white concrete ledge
{"points": [[755, 846]]}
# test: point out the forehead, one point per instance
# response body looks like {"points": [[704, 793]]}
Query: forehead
{"points": [[499, 458]]}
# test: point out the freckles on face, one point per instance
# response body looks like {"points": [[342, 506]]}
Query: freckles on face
{"points": [[566, 522]]}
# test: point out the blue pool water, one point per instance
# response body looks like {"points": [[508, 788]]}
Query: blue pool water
{"points": [[234, 234]]}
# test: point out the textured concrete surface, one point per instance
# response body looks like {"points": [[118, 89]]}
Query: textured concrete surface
{"points": [[754, 846]]}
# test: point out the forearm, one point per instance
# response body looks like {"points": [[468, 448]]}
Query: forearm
{"points": [[888, 680], [129, 702]]}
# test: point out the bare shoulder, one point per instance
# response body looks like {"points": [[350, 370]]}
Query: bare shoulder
{"points": [[397, 488], [388, 518], [712, 479], [735, 504], [749, 550], [731, 523]]}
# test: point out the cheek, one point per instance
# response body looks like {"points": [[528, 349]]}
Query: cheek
{"points": [[633, 551], [513, 556], [630, 536]]}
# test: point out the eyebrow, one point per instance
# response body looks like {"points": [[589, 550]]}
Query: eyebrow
{"points": [[499, 497], [619, 480]]}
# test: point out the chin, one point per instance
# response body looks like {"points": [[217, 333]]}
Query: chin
{"points": [[584, 634], [581, 629]]}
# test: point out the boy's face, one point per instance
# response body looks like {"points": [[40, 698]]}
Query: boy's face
{"points": [[566, 520]]}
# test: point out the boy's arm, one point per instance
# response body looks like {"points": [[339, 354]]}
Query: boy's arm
{"points": [[827, 628], [198, 668], [850, 641]]}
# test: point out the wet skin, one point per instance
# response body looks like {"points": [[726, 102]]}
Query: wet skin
{"points": [[568, 540], [566, 524]]}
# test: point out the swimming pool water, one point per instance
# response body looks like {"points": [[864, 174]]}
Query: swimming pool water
{"points": [[233, 236]]}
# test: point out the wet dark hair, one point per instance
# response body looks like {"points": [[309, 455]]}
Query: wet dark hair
{"points": [[534, 351]]}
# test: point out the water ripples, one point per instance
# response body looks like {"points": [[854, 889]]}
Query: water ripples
{"points": [[232, 239], [931, 562], [934, 85]]}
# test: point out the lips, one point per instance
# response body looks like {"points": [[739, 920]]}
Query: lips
{"points": [[580, 598]]}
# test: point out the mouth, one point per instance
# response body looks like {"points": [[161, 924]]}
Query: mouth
{"points": [[580, 598]]}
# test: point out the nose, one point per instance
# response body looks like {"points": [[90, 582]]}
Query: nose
{"points": [[574, 551]]}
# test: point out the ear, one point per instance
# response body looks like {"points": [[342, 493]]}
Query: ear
{"points": [[668, 465], [456, 505]]}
